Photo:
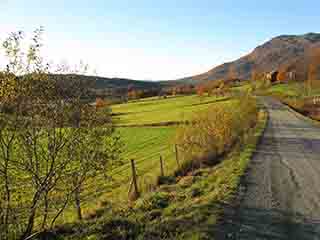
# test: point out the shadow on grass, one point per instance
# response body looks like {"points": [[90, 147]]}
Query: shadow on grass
{"points": [[208, 102]]}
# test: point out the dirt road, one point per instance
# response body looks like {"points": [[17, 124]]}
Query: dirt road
{"points": [[280, 195]]}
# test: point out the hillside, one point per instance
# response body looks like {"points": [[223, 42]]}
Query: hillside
{"points": [[112, 87], [286, 52], [97, 82], [123, 83]]}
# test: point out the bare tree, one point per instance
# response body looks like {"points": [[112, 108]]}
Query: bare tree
{"points": [[51, 141]]}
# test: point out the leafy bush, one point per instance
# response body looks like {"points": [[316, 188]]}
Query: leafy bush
{"points": [[166, 180], [214, 131]]}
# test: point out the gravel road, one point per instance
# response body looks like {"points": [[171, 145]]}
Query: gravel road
{"points": [[279, 197]]}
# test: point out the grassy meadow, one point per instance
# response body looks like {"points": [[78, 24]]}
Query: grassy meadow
{"points": [[148, 129], [162, 111], [294, 89], [299, 96], [186, 207], [142, 126]]}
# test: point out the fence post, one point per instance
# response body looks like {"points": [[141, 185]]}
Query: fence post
{"points": [[177, 156], [161, 167], [130, 187], [135, 194]]}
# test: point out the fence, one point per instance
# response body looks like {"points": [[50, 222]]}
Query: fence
{"points": [[134, 192], [132, 176]]}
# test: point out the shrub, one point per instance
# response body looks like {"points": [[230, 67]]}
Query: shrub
{"points": [[213, 132], [166, 180]]}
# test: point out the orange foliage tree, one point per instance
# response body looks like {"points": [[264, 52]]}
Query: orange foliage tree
{"points": [[100, 103], [314, 66], [200, 90], [282, 76]]}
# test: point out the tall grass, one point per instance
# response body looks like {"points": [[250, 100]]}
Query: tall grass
{"points": [[214, 131]]}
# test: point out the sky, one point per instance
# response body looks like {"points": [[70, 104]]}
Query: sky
{"points": [[155, 40]]}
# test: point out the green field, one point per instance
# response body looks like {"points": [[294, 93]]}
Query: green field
{"points": [[295, 89], [291, 89], [147, 133], [161, 111], [145, 143], [185, 208]]}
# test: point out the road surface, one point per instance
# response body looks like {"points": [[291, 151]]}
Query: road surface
{"points": [[279, 197]]}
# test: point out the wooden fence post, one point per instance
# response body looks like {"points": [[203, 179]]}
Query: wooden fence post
{"points": [[177, 156], [161, 167], [135, 194], [130, 187]]}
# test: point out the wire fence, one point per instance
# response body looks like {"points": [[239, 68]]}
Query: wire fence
{"points": [[121, 177], [119, 183]]}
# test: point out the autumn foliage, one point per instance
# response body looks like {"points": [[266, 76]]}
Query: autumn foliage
{"points": [[100, 103], [201, 90], [314, 66], [282, 76], [216, 130], [184, 89]]}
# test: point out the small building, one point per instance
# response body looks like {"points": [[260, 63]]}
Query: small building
{"points": [[292, 76], [273, 76]]}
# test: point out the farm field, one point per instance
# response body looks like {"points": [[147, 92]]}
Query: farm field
{"points": [[291, 89], [295, 89], [145, 136], [155, 111], [185, 207], [148, 135], [145, 144]]}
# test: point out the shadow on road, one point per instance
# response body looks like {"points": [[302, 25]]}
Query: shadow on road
{"points": [[289, 145], [253, 223]]}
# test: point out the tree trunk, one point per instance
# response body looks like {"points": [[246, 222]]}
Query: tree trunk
{"points": [[29, 228], [7, 201], [78, 202], [46, 208], [32, 215]]}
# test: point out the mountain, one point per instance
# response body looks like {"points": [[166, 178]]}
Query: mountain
{"points": [[286, 53], [297, 53], [123, 83]]}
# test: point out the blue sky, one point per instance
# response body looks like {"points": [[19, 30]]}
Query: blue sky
{"points": [[156, 40]]}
